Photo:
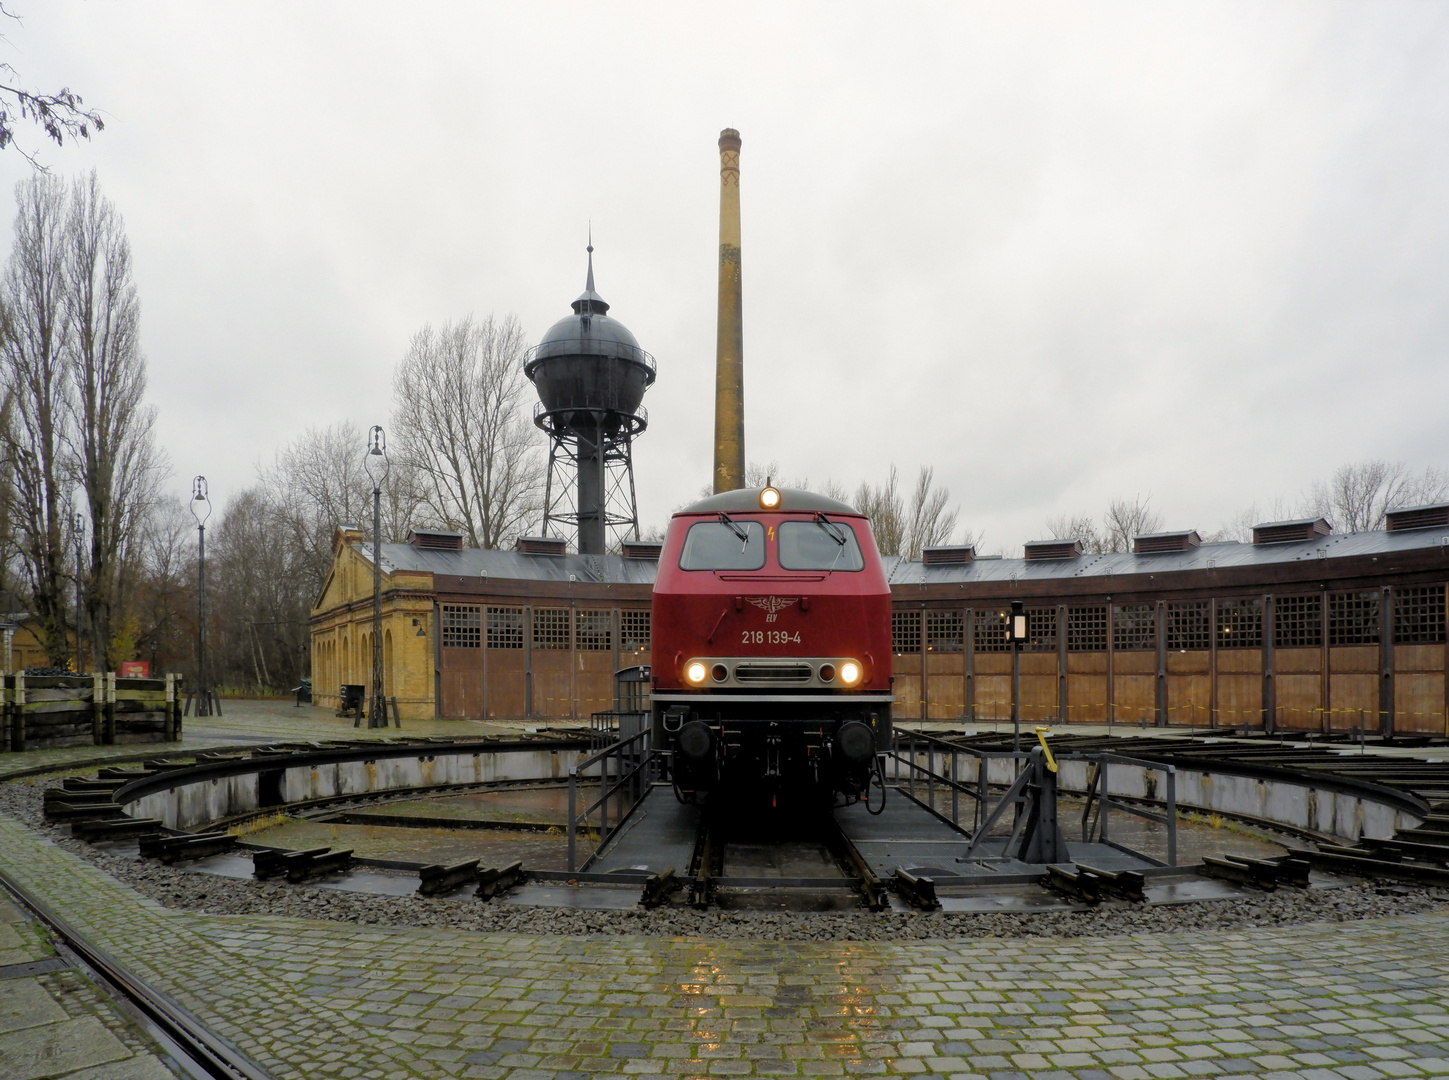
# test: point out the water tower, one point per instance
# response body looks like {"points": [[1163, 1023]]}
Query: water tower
{"points": [[590, 375]]}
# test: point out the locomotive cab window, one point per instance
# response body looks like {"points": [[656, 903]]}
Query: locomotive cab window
{"points": [[822, 544], [724, 545]]}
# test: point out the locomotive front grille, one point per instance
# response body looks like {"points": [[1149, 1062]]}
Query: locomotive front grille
{"points": [[773, 673]]}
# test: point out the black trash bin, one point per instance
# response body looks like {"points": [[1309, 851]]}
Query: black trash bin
{"points": [[351, 699]]}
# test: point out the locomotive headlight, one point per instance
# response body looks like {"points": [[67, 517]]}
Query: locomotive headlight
{"points": [[695, 672], [769, 498], [850, 673]]}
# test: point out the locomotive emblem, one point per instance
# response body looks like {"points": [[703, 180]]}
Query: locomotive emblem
{"points": [[772, 605]]}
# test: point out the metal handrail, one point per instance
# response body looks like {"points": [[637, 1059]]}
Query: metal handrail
{"points": [[625, 780], [614, 350], [933, 745], [1104, 758]]}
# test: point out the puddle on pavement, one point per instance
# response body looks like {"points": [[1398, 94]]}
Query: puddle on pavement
{"points": [[495, 847]]}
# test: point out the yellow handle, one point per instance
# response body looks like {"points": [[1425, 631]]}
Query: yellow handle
{"points": [[1041, 734]]}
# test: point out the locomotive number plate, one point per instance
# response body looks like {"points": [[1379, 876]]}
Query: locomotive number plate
{"points": [[769, 637]]}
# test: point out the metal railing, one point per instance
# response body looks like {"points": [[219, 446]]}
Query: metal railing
{"points": [[917, 743], [1100, 792], [626, 770], [911, 746]]}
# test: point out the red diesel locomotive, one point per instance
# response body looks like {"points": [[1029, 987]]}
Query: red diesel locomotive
{"points": [[772, 647]]}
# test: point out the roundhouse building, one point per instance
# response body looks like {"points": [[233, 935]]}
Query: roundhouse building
{"points": [[1302, 629]]}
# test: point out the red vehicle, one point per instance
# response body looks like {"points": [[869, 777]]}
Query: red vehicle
{"points": [[772, 646]]}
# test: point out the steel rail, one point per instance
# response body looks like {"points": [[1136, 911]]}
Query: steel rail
{"points": [[197, 1049]]}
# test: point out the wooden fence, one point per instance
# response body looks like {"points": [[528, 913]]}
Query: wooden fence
{"points": [[88, 710]]}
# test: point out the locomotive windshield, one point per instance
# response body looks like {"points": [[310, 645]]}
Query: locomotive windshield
{"points": [[724, 545], [822, 544]]}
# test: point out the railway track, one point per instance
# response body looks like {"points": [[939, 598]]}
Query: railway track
{"points": [[736, 856], [194, 1048]]}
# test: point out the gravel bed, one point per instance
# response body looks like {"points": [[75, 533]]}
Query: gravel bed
{"points": [[209, 894]]}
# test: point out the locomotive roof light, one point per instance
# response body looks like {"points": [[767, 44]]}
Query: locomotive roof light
{"points": [[1016, 623], [769, 496], [695, 672], [850, 673]]}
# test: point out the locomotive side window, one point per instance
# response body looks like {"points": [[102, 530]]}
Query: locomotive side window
{"points": [[822, 544], [724, 545]]}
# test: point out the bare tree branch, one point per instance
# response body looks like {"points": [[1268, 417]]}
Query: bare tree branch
{"points": [[460, 422]]}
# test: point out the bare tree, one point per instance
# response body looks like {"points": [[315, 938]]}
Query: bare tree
{"points": [[35, 434], [1126, 519], [59, 114], [460, 421], [903, 528], [118, 465], [262, 596], [882, 503], [1076, 527], [930, 523], [316, 483], [1358, 495]]}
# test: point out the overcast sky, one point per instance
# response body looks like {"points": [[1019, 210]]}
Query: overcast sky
{"points": [[1064, 253]]}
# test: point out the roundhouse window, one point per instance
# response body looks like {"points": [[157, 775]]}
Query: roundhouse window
{"points": [[990, 632], [945, 631], [1419, 615], [906, 631], [462, 626], [1086, 629], [1189, 625], [1240, 623], [550, 628], [1134, 627], [594, 631], [1041, 627], [634, 630], [505, 628], [1353, 618], [1297, 622]]}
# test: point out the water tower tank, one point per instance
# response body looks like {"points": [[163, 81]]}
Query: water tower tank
{"points": [[590, 374], [589, 364]]}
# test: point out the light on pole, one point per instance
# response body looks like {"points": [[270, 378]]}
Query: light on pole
{"points": [[80, 532], [376, 464], [201, 510], [1016, 633]]}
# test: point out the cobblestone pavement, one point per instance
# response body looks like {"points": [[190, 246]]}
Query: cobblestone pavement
{"points": [[56, 1023], [314, 999]]}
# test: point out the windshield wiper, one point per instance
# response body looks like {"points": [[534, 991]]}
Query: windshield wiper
{"points": [[832, 529], [740, 533]]}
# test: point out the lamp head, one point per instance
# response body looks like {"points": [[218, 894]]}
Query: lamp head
{"points": [[376, 462], [1016, 630], [200, 501]]}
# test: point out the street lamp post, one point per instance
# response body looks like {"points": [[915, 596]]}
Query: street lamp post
{"points": [[1016, 633], [201, 513], [80, 527], [376, 464]]}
